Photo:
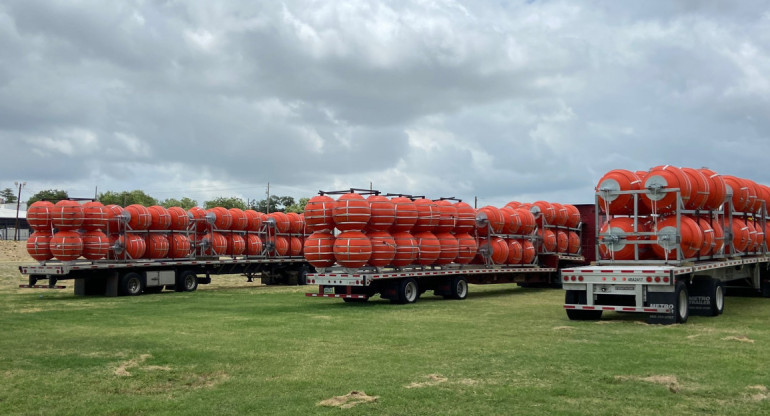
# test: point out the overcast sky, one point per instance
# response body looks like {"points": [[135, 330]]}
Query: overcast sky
{"points": [[503, 100]]}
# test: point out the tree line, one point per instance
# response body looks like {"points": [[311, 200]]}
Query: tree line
{"points": [[125, 198]]}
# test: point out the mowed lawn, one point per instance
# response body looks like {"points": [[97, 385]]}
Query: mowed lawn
{"points": [[241, 349]]}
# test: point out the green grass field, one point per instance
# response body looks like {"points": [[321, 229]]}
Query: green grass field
{"points": [[233, 349]]}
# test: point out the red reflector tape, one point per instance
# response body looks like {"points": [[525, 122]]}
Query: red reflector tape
{"points": [[628, 309], [569, 306]]}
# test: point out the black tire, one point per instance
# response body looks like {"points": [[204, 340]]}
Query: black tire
{"points": [[578, 297], [408, 291], [718, 298], [131, 284], [187, 281], [459, 288], [681, 303], [765, 288]]}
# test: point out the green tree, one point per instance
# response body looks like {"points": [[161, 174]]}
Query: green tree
{"points": [[8, 196], [231, 202], [52, 195], [127, 198], [299, 207], [185, 203], [277, 204]]}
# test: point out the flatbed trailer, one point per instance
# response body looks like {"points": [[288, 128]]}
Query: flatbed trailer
{"points": [[134, 277], [451, 281]]}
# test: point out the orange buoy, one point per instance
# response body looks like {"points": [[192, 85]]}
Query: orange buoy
{"points": [[303, 228], [116, 218], [406, 214], [254, 245], [352, 249], [214, 244], [489, 220], [615, 237], [351, 212], [295, 246], [429, 248], [562, 241], [383, 248], [760, 236], [219, 217], [197, 214], [547, 211], [67, 215], [614, 181], [753, 240], [319, 249], [549, 241], [240, 220], [449, 246], [179, 219], [138, 217], [511, 220], [514, 252], [527, 252], [494, 248], [95, 244], [466, 218], [528, 223], [236, 244], [717, 189], [573, 243], [383, 213], [753, 204], [156, 246], [39, 245], [126, 246], [318, 214], [719, 236], [280, 246], [740, 235], [254, 220], [709, 242], [406, 249], [447, 216], [40, 215], [701, 187], [740, 192], [763, 196], [659, 181], [178, 246], [160, 218], [466, 249], [280, 221], [691, 237], [513, 204], [296, 224], [428, 216], [573, 216], [66, 245], [94, 216], [562, 215]]}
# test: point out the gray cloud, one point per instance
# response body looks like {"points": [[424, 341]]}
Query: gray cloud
{"points": [[500, 100]]}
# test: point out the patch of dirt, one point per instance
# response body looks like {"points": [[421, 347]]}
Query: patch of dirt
{"points": [[433, 380], [740, 338], [759, 394], [14, 251], [669, 381], [563, 328], [122, 369], [207, 381], [349, 400]]}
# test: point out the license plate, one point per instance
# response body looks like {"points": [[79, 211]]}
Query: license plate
{"points": [[329, 290], [622, 287]]}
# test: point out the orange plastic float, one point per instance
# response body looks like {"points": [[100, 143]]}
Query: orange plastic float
{"points": [[66, 245], [666, 247], [428, 216], [156, 246], [67, 215], [240, 220], [562, 241], [94, 216], [253, 219], [40, 215], [701, 187], [466, 248], [281, 221], [449, 246], [429, 248], [717, 189], [318, 214], [514, 252], [39, 245], [489, 219], [615, 181], [254, 245], [549, 241], [406, 249], [740, 192], [383, 213], [528, 224], [615, 237], [214, 244], [280, 246], [383, 248], [96, 245], [138, 217], [406, 214], [352, 248], [573, 216], [658, 197], [528, 252], [447, 216], [466, 218], [160, 218], [295, 246], [319, 249], [179, 219], [236, 244], [351, 212], [573, 243], [178, 246]]}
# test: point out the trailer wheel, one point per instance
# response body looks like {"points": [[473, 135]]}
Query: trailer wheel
{"points": [[459, 288], [131, 284], [408, 291], [578, 297], [681, 303], [717, 298], [187, 282]]}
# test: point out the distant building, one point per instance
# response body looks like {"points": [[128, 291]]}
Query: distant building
{"points": [[8, 222]]}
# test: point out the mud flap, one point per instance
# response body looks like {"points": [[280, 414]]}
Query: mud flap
{"points": [[701, 297], [662, 299]]}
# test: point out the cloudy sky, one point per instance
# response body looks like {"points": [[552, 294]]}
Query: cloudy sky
{"points": [[500, 100]]}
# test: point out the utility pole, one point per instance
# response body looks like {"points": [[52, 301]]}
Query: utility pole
{"points": [[18, 205], [268, 198]]}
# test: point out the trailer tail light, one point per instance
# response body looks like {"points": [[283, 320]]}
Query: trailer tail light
{"points": [[665, 280], [566, 278], [649, 279], [657, 279], [580, 278]]}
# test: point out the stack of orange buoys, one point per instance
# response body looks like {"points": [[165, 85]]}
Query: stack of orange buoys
{"points": [[704, 201]]}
